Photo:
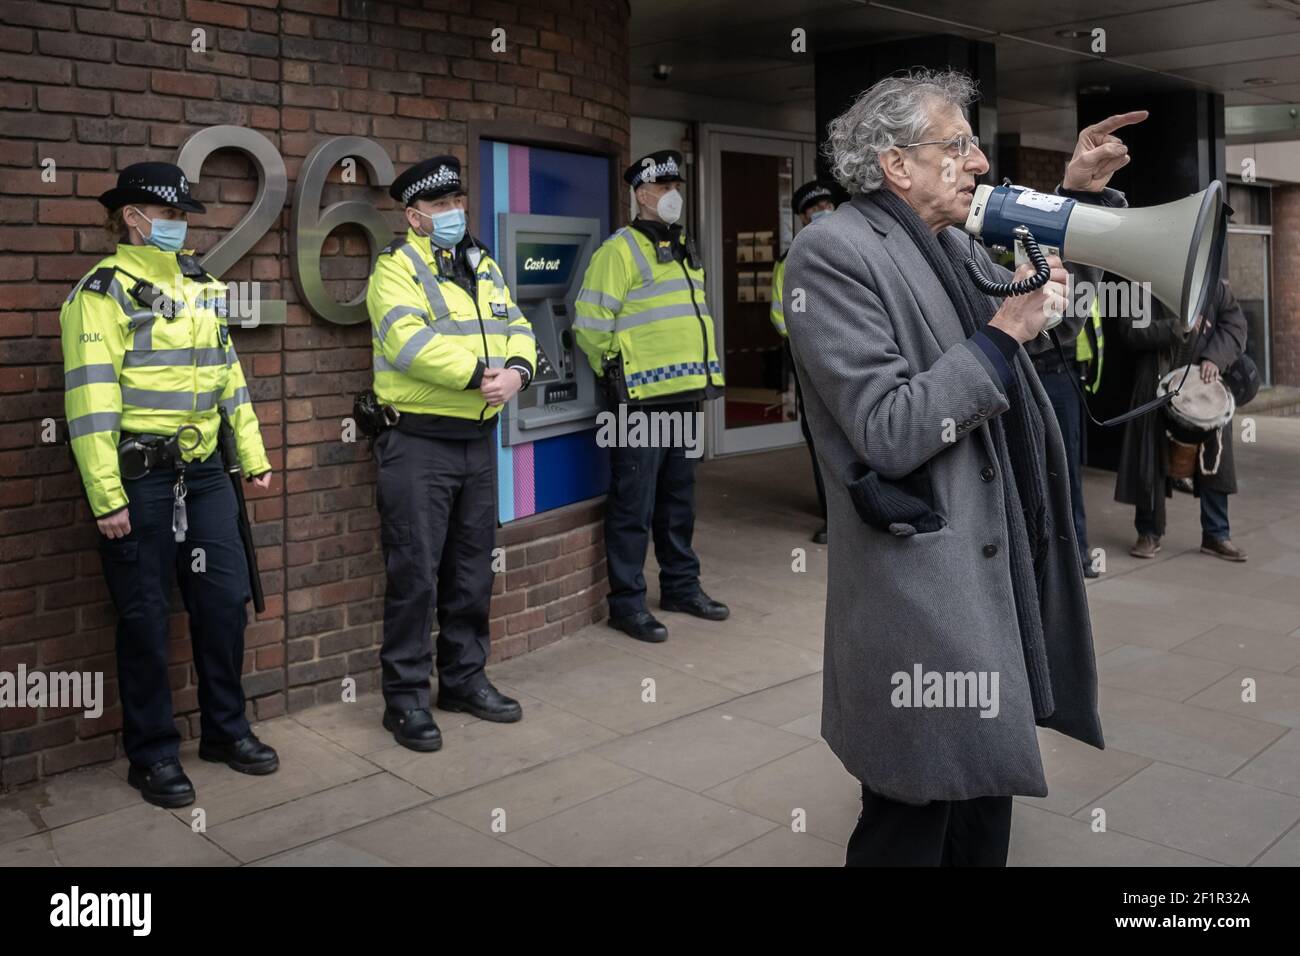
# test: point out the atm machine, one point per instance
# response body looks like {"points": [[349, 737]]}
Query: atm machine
{"points": [[545, 258]]}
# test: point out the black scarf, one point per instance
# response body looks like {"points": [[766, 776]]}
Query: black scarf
{"points": [[1018, 437]]}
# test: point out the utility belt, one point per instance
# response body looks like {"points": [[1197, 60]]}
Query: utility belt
{"points": [[373, 418], [139, 454]]}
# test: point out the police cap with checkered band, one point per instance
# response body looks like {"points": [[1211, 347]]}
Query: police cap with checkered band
{"points": [[158, 184], [664, 166], [430, 179], [815, 192]]}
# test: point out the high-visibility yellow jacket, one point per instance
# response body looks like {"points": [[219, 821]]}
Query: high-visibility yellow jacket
{"points": [[650, 312], [431, 338], [1083, 346], [778, 307], [127, 367]]}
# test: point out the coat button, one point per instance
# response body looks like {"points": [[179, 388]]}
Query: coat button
{"points": [[990, 550], [986, 474]]}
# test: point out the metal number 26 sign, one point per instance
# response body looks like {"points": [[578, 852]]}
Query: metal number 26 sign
{"points": [[310, 225]]}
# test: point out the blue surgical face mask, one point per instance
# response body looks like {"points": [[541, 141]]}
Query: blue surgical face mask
{"points": [[448, 227], [818, 214], [166, 234]]}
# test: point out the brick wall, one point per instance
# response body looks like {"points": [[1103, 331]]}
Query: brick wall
{"points": [[1039, 169], [1285, 307], [98, 84]]}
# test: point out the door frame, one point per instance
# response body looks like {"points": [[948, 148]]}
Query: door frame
{"points": [[714, 138]]}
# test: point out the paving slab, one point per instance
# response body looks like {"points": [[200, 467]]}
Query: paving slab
{"points": [[1198, 813], [1194, 737], [811, 782], [702, 750], [138, 835], [523, 798], [312, 817], [1042, 838], [646, 823], [606, 684]]}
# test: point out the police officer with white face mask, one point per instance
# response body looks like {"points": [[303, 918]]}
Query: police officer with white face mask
{"points": [[645, 327]]}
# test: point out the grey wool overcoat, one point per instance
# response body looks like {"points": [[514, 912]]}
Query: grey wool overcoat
{"points": [[890, 382]]}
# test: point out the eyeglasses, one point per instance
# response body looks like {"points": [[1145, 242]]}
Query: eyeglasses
{"points": [[962, 144]]}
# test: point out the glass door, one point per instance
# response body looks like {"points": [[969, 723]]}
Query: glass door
{"points": [[748, 179]]}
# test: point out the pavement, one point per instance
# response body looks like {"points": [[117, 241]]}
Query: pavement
{"points": [[705, 750]]}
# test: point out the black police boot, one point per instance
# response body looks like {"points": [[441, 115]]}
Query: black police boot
{"points": [[248, 755], [700, 606], [163, 784], [642, 626], [414, 729], [487, 703]]}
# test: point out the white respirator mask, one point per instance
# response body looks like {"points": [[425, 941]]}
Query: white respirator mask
{"points": [[669, 207]]}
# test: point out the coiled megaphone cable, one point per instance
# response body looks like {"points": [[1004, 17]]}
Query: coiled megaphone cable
{"points": [[1042, 271]]}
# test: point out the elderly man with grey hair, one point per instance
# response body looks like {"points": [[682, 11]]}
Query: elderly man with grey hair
{"points": [[956, 618]]}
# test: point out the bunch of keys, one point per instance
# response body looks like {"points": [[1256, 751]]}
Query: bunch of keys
{"points": [[180, 519]]}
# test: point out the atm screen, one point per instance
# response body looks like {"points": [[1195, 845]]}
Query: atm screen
{"points": [[544, 264]]}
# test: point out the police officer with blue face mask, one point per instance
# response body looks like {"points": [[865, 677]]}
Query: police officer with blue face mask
{"points": [[450, 349], [151, 381]]}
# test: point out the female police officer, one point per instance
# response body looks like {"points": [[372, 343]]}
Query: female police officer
{"points": [[148, 370]]}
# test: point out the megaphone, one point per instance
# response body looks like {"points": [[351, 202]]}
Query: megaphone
{"points": [[1176, 247]]}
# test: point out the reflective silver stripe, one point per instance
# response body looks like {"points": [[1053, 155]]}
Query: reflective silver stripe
{"points": [[137, 358], [497, 278], [231, 357], [490, 326], [428, 283], [660, 288], [596, 322], [777, 307], [241, 397], [89, 375], [207, 400], [144, 333], [638, 257], [411, 349], [395, 313], [383, 365], [496, 361], [602, 299], [170, 401], [522, 330], [678, 311], [514, 313], [93, 423]]}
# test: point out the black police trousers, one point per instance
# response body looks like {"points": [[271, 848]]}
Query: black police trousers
{"points": [[974, 832], [651, 490], [213, 575], [438, 516]]}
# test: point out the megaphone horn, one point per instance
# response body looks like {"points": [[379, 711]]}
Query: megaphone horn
{"points": [[1176, 247]]}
